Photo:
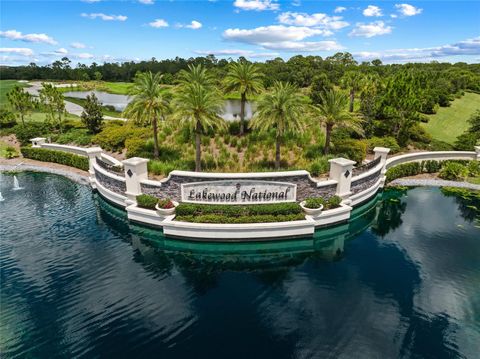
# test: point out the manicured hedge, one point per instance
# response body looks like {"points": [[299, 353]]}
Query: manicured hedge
{"points": [[449, 169], [64, 158], [256, 213], [316, 202], [146, 201]]}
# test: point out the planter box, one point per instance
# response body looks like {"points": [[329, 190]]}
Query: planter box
{"points": [[166, 211], [311, 211]]}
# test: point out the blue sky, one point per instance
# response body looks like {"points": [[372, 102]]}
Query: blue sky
{"points": [[93, 30]]}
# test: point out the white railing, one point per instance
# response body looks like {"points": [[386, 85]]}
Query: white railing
{"points": [[437, 156]]}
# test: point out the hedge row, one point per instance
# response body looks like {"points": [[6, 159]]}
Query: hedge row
{"points": [[430, 166], [64, 158], [273, 209], [260, 218]]}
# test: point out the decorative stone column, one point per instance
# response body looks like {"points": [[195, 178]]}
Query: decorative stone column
{"points": [[341, 171], [37, 142], [135, 172], [92, 152], [477, 151], [382, 152]]}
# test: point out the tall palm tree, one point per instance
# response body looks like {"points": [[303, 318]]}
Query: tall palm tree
{"points": [[243, 77], [333, 111], [282, 109], [195, 74], [151, 103], [353, 81], [198, 106]]}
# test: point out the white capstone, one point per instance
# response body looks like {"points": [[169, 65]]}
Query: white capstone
{"points": [[37, 142], [135, 172], [341, 171]]}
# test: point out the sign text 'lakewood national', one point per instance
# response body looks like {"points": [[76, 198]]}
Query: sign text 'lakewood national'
{"points": [[238, 192]]}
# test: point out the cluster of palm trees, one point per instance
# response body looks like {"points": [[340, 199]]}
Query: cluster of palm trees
{"points": [[197, 102]]}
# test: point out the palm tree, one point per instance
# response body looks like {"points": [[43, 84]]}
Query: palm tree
{"points": [[352, 80], [333, 112], [198, 105], [195, 74], [21, 102], [245, 78], [151, 103], [282, 109]]}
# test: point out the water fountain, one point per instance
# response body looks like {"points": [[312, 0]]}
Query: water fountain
{"points": [[16, 185], [1, 197]]}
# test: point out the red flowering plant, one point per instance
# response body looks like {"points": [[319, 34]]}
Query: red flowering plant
{"points": [[165, 203]]}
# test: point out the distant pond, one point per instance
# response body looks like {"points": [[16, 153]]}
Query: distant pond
{"points": [[231, 110]]}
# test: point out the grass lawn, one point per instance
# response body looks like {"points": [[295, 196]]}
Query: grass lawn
{"points": [[5, 87], [3, 150], [450, 122]]}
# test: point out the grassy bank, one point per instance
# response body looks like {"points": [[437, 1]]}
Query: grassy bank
{"points": [[106, 111], [5, 87], [450, 122]]}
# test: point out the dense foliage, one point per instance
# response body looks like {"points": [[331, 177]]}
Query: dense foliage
{"points": [[92, 115], [64, 158], [146, 201]]}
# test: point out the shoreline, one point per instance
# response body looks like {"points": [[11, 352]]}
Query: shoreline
{"points": [[23, 164], [416, 182]]}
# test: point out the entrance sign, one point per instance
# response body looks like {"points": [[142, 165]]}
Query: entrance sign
{"points": [[238, 192]]}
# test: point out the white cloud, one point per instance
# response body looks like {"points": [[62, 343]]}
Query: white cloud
{"points": [[469, 47], [393, 16], [296, 3], [339, 9], [257, 5], [105, 17], [78, 45], [147, 2], [62, 51], [408, 10], [270, 34], [372, 29], [237, 52], [372, 10], [59, 52], [17, 35], [158, 23], [82, 56], [17, 50], [194, 25], [303, 46], [317, 20]]}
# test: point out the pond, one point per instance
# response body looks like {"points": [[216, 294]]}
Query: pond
{"points": [[402, 279], [119, 102]]}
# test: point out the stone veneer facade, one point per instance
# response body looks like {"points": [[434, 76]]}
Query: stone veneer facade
{"points": [[111, 183], [305, 186], [366, 182]]}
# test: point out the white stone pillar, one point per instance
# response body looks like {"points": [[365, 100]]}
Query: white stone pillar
{"points": [[135, 172], [477, 151], [382, 152], [37, 142], [92, 152], [341, 171]]}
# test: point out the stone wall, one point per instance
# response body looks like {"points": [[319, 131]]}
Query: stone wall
{"points": [[110, 183], [305, 186], [365, 183]]}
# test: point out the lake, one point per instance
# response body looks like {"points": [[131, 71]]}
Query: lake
{"points": [[119, 102], [401, 280]]}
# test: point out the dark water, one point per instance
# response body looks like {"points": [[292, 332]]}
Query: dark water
{"points": [[402, 280]]}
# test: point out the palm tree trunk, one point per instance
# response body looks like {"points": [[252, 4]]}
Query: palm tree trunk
{"points": [[156, 152], [22, 115], [352, 99], [242, 113], [277, 153], [198, 148], [328, 132]]}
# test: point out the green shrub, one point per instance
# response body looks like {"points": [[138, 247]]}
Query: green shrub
{"points": [[355, 150], [135, 147], [453, 171], [431, 166], [403, 170], [28, 131], [165, 203], [274, 209], [389, 142], [217, 218], [77, 136], [64, 158], [7, 118], [113, 137], [146, 201], [315, 202], [313, 151], [473, 168], [10, 152], [466, 141], [333, 202]]}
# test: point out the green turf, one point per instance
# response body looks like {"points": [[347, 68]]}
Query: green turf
{"points": [[3, 150], [450, 122], [5, 87]]}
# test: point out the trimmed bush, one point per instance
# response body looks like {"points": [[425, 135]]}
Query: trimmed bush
{"points": [[403, 170], [473, 168], [354, 150], [431, 166], [314, 203], [453, 171], [29, 131], [146, 201], [64, 158], [389, 142], [113, 136], [333, 202], [217, 218]]}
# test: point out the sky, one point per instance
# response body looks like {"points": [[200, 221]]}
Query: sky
{"points": [[89, 31]]}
